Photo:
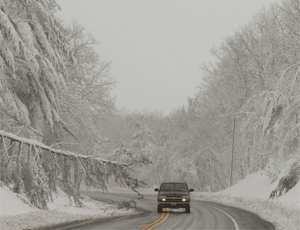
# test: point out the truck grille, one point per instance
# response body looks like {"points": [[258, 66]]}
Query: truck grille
{"points": [[173, 198]]}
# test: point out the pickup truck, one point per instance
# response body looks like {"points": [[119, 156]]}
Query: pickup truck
{"points": [[173, 195]]}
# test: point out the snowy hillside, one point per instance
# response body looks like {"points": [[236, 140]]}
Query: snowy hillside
{"points": [[253, 193], [15, 214]]}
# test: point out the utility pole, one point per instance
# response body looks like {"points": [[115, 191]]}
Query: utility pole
{"points": [[232, 151]]}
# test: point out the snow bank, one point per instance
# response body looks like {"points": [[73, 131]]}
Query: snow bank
{"points": [[253, 193], [11, 204], [15, 214]]}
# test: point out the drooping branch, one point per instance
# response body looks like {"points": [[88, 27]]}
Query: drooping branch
{"points": [[57, 151], [31, 173]]}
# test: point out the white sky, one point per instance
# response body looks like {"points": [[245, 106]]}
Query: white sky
{"points": [[157, 46]]}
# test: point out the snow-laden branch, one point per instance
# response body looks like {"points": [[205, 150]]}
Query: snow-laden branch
{"points": [[35, 143]]}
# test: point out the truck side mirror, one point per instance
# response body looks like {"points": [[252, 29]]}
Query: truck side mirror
{"points": [[191, 190], [156, 190]]}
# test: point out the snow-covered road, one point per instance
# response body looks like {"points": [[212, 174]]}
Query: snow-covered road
{"points": [[204, 215]]}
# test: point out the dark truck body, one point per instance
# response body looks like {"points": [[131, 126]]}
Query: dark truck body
{"points": [[173, 195]]}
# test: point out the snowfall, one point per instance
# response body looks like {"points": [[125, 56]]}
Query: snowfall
{"points": [[251, 194]]}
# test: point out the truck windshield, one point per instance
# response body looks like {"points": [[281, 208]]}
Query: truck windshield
{"points": [[173, 187]]}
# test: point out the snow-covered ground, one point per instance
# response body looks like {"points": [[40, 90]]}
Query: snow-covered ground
{"points": [[253, 193], [16, 214]]}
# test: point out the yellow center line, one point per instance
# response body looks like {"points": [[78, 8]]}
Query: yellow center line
{"points": [[161, 219], [166, 217]]}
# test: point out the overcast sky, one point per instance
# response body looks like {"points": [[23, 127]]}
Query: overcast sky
{"points": [[157, 46]]}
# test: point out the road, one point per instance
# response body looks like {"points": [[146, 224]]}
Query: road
{"points": [[204, 215]]}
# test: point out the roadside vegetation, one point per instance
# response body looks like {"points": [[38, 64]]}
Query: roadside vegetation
{"points": [[54, 92], [59, 125]]}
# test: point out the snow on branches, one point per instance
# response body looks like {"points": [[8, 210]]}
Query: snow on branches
{"points": [[256, 79], [32, 51], [36, 170]]}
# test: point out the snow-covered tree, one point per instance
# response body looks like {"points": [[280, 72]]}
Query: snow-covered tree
{"points": [[32, 53], [54, 88], [256, 79], [143, 138]]}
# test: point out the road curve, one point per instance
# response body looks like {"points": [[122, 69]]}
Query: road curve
{"points": [[204, 215]]}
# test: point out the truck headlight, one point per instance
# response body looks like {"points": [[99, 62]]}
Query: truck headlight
{"points": [[186, 198], [162, 198]]}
